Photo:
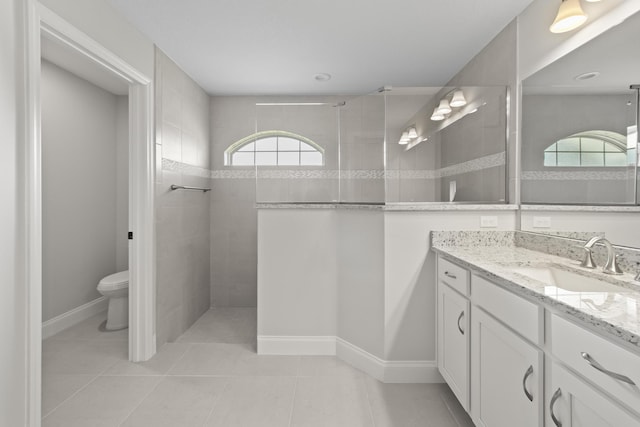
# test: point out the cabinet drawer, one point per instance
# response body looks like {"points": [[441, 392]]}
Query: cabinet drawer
{"points": [[589, 354], [453, 275], [519, 314]]}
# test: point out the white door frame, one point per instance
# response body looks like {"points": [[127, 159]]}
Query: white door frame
{"points": [[41, 20]]}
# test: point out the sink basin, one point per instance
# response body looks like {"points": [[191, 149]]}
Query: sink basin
{"points": [[565, 279]]}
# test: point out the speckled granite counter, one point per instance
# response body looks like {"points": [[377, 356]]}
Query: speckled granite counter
{"points": [[393, 207], [494, 255]]}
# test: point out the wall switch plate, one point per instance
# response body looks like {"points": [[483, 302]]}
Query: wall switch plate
{"points": [[488, 221], [541, 222]]}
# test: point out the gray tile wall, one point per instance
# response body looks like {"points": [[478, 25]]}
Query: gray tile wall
{"points": [[183, 218], [233, 214]]}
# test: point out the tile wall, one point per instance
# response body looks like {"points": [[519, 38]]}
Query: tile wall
{"points": [[182, 217]]}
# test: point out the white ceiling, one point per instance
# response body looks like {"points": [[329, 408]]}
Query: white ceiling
{"points": [[241, 47], [614, 54]]}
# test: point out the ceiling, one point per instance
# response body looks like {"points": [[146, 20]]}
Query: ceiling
{"points": [[613, 54], [250, 47]]}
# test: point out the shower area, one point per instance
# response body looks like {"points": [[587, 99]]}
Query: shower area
{"points": [[385, 150], [397, 146]]}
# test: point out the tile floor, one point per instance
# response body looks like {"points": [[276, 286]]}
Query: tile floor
{"points": [[212, 377]]}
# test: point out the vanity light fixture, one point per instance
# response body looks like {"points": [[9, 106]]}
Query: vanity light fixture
{"points": [[458, 100], [412, 132], [570, 16], [437, 116], [587, 76]]}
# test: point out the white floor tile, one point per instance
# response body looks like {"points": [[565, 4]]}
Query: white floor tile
{"points": [[254, 402], [223, 325], [179, 402], [89, 330], [331, 401], [408, 405], [56, 388], [159, 364], [106, 401], [81, 357], [209, 359]]}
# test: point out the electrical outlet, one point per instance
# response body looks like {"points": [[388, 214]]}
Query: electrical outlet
{"points": [[488, 221], [541, 222]]}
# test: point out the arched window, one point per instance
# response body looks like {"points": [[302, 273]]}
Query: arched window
{"points": [[595, 148], [274, 148]]}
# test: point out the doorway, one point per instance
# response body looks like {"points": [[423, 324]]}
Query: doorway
{"points": [[141, 258]]}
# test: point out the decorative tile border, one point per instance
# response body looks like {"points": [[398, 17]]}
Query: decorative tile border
{"points": [[576, 175], [475, 165]]}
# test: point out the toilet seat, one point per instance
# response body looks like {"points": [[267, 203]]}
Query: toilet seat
{"points": [[114, 281]]}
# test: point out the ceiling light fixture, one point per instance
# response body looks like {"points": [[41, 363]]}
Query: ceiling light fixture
{"points": [[458, 100], [570, 16], [322, 77], [587, 76]]}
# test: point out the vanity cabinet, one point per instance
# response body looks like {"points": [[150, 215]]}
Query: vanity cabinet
{"points": [[508, 370], [574, 403], [506, 380], [453, 341]]}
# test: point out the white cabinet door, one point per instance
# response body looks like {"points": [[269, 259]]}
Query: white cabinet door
{"points": [[507, 377], [453, 341], [573, 403]]}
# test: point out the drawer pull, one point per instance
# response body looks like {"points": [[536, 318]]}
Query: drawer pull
{"points": [[555, 397], [524, 383], [449, 275], [591, 361], [459, 319]]}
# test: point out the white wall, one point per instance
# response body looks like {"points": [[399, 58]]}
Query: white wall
{"points": [[297, 272], [13, 376], [370, 269], [122, 183], [79, 189], [361, 279]]}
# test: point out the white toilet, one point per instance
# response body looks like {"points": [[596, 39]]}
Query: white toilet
{"points": [[116, 288]]}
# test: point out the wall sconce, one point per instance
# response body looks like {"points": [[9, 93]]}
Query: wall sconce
{"points": [[570, 16], [445, 107]]}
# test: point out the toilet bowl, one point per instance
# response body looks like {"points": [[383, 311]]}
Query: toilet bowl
{"points": [[116, 288]]}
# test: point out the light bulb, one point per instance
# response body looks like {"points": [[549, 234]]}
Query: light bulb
{"points": [[437, 116], [570, 16], [458, 99], [444, 107]]}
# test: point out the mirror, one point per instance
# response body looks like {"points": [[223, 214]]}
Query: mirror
{"points": [[579, 124]]}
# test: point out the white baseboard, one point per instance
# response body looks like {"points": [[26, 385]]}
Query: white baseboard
{"points": [[297, 345], [72, 317], [411, 371], [401, 371]]}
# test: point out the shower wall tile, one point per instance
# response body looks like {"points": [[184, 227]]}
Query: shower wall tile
{"points": [[182, 217]]}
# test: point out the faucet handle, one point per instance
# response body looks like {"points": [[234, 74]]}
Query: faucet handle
{"points": [[612, 266], [588, 261]]}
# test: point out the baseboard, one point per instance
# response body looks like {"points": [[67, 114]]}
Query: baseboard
{"points": [[404, 371], [297, 345], [72, 317], [401, 371]]}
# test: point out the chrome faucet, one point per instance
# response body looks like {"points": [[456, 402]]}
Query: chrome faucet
{"points": [[611, 267]]}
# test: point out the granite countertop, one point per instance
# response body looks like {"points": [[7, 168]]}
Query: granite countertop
{"points": [[392, 207], [614, 312]]}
